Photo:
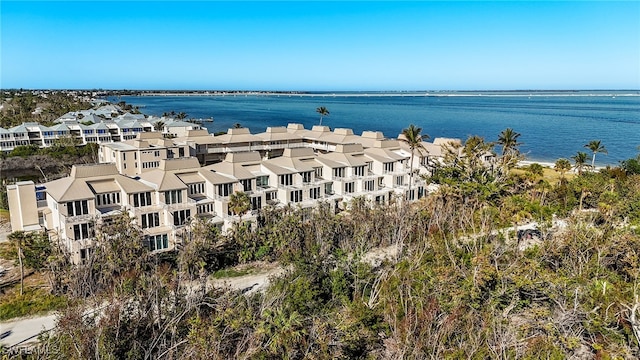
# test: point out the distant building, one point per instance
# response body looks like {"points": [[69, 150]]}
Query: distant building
{"points": [[103, 125]]}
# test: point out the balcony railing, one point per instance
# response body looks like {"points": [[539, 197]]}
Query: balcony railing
{"points": [[190, 202], [79, 219], [146, 209]]}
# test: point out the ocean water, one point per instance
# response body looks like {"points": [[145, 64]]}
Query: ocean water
{"points": [[552, 125]]}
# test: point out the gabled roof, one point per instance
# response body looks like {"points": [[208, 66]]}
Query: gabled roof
{"points": [[331, 163], [277, 169], [215, 178], [299, 153], [131, 186], [87, 180], [109, 108], [383, 155], [130, 124], [345, 159], [92, 117], [243, 157], [130, 116], [93, 170], [234, 170], [68, 189], [162, 180], [293, 161], [99, 126], [60, 127], [179, 164], [22, 128]]}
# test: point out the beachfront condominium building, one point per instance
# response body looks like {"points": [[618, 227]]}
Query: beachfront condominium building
{"points": [[333, 167]]}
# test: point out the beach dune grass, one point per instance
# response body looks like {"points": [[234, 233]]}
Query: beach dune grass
{"points": [[549, 174]]}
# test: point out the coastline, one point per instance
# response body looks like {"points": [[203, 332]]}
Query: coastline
{"points": [[551, 127], [612, 94], [551, 165]]}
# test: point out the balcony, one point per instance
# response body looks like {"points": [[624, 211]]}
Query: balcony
{"points": [[78, 219], [322, 146], [145, 209], [183, 205], [283, 146]]}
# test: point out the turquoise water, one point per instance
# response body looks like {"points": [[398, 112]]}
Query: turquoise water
{"points": [[552, 125]]}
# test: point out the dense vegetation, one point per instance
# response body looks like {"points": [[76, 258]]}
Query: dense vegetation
{"points": [[456, 288], [20, 106]]}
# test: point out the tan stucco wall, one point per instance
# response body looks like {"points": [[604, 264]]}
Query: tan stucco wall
{"points": [[23, 207]]}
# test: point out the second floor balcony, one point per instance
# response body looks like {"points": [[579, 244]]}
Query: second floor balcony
{"points": [[78, 219], [182, 205]]}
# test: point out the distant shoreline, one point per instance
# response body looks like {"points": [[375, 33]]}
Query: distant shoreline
{"points": [[515, 93]]}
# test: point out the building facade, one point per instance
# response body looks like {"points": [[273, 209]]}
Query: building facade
{"points": [[317, 166]]}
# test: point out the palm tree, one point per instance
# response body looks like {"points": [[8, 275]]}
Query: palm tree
{"points": [[509, 141], [182, 115], [413, 137], [596, 147], [579, 161], [323, 112], [562, 166], [239, 203], [158, 125]]}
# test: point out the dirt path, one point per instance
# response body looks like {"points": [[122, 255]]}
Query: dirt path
{"points": [[248, 283], [259, 280]]}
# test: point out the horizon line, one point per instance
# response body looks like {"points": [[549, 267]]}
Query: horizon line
{"points": [[314, 91]]}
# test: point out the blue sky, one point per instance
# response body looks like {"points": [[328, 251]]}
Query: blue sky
{"points": [[335, 45]]}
